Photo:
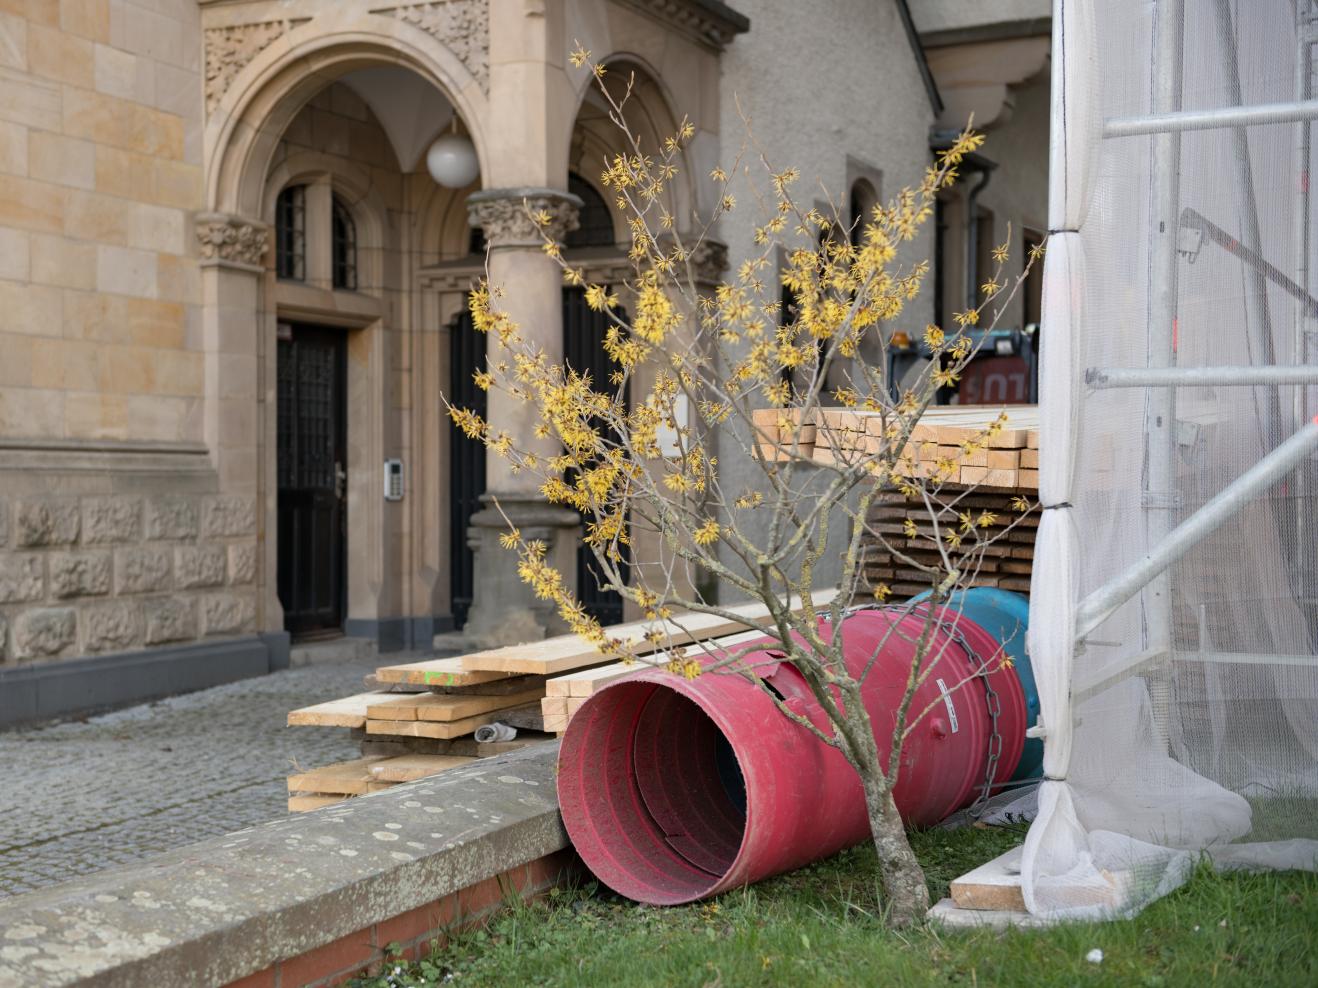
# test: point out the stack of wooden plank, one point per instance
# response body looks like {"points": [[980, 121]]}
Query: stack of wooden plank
{"points": [[1008, 460], [408, 729], [1006, 562], [421, 717], [565, 694], [777, 429]]}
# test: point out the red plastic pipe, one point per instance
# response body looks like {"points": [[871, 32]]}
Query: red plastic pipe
{"points": [[674, 789]]}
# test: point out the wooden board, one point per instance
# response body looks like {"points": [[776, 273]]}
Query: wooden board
{"points": [[498, 687], [524, 718], [572, 652], [407, 768], [304, 802], [1005, 563], [584, 682], [375, 684], [343, 778], [994, 885], [553, 706], [347, 712], [437, 672], [430, 728], [447, 706], [386, 746]]}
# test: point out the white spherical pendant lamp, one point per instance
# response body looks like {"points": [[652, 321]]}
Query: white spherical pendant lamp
{"points": [[452, 161]]}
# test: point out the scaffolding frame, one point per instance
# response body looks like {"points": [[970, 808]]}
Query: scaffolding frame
{"points": [[1161, 377]]}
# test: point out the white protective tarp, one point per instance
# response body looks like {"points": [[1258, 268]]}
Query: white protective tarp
{"points": [[1187, 721]]}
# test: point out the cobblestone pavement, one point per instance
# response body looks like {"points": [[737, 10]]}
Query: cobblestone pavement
{"points": [[82, 796]]}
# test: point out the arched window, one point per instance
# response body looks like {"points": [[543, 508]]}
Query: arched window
{"points": [[596, 222], [860, 209], [344, 246], [291, 233]]}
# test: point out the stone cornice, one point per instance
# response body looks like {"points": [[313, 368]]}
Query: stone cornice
{"points": [[707, 22], [226, 239], [506, 215]]}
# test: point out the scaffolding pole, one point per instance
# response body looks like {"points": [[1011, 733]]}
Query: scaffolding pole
{"points": [[1100, 604], [1105, 378], [1229, 116]]}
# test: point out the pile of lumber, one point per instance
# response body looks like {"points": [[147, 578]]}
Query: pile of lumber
{"points": [[1006, 562], [420, 717], [565, 694], [1008, 460]]}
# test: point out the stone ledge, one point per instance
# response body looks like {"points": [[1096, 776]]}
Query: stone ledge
{"points": [[233, 906]]}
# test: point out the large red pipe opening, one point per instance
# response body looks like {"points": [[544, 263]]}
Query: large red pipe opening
{"points": [[674, 789]]}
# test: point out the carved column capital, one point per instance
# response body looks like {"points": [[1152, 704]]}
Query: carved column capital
{"points": [[709, 259], [508, 215], [234, 240]]}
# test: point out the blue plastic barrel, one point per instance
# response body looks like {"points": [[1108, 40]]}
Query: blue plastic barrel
{"points": [[1006, 616]]}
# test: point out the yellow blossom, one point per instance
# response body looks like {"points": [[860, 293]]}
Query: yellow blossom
{"points": [[708, 533]]}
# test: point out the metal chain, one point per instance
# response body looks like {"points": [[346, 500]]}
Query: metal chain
{"points": [[991, 700], [994, 704]]}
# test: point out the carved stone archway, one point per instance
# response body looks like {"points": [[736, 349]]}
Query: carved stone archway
{"points": [[260, 72], [258, 75]]}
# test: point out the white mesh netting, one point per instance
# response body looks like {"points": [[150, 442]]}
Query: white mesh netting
{"points": [[1186, 720]]}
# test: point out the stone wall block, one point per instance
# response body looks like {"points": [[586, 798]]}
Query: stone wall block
{"points": [[242, 563], [80, 574], [48, 522], [110, 627], [228, 514], [142, 570], [111, 519], [4, 523], [4, 638], [171, 518], [227, 614], [199, 565], [21, 578], [40, 633], [170, 619]]}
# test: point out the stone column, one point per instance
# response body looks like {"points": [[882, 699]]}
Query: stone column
{"points": [[504, 611], [239, 416]]}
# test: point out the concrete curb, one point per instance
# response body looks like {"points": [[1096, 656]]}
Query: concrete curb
{"points": [[219, 910]]}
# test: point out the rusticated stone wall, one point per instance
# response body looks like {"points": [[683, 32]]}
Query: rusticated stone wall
{"points": [[119, 559]]}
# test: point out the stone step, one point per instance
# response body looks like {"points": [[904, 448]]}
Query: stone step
{"points": [[342, 649]]}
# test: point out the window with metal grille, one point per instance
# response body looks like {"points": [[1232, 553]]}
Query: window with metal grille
{"points": [[596, 223], [344, 234], [291, 233]]}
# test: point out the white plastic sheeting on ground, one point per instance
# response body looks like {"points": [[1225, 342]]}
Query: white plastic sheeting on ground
{"points": [[1186, 720]]}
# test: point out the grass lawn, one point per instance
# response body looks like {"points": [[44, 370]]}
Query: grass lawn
{"points": [[820, 927]]}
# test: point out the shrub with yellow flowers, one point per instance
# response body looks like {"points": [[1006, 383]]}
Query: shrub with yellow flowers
{"points": [[647, 472]]}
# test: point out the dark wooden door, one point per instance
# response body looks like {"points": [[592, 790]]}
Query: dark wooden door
{"points": [[466, 459], [583, 351], [312, 469]]}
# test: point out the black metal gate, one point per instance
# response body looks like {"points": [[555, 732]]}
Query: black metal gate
{"points": [[466, 458], [312, 478], [583, 351]]}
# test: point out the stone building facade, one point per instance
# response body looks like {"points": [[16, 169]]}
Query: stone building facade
{"points": [[231, 297]]}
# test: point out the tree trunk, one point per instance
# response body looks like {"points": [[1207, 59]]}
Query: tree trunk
{"points": [[905, 893]]}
